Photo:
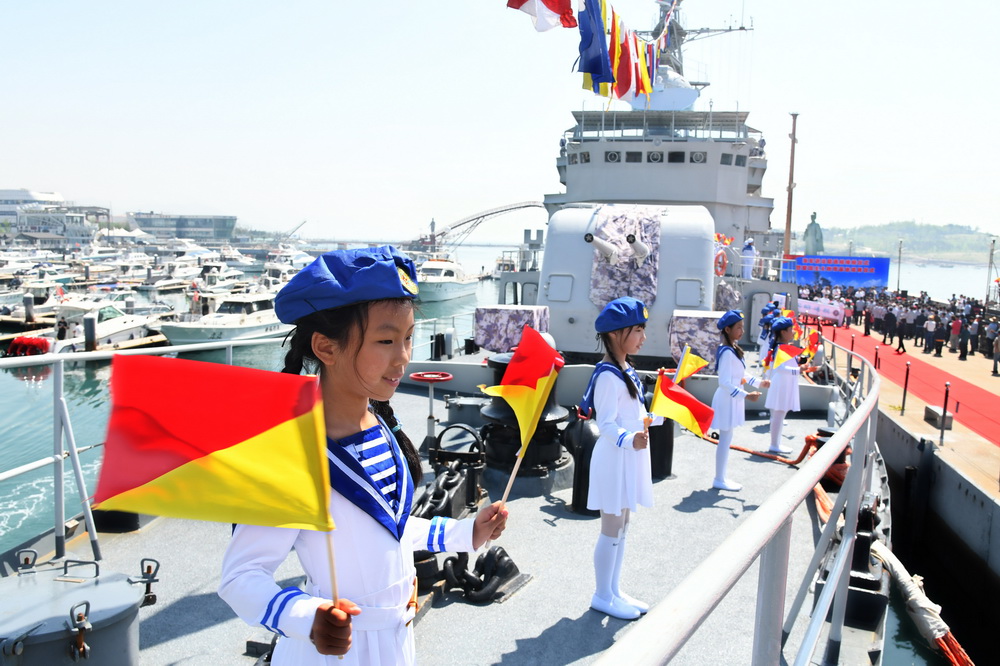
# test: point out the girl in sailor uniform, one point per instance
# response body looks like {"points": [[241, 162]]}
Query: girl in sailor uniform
{"points": [[783, 396], [764, 338], [728, 399], [353, 312], [620, 475]]}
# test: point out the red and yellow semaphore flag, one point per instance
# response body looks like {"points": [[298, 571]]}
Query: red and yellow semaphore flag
{"points": [[205, 441], [689, 364], [527, 382], [672, 402], [813, 343], [785, 352]]}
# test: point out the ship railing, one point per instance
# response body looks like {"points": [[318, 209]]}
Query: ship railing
{"points": [[766, 534], [426, 343], [65, 448]]}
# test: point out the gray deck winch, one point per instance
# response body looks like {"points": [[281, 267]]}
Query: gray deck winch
{"points": [[503, 438]]}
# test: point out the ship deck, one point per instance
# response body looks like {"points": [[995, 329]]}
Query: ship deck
{"points": [[545, 621]]}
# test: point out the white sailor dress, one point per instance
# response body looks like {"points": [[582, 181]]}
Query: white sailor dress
{"points": [[373, 546], [783, 394], [763, 337], [620, 475], [728, 401]]}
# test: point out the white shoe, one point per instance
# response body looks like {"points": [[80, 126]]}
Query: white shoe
{"points": [[640, 606], [615, 608], [726, 484], [779, 451]]}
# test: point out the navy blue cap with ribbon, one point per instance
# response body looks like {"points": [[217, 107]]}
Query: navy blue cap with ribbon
{"points": [[621, 313], [781, 323], [729, 319], [345, 277]]}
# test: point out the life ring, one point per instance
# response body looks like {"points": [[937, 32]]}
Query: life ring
{"points": [[720, 262], [431, 377]]}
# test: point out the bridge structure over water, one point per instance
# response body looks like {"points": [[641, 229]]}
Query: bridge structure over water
{"points": [[456, 233]]}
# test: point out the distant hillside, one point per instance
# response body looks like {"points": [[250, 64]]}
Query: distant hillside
{"points": [[952, 242]]}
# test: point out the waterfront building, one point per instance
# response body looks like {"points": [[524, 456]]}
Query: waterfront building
{"points": [[11, 201], [196, 227], [71, 226]]}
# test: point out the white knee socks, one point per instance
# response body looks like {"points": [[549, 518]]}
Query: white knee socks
{"points": [[640, 606], [777, 422], [607, 561], [722, 461]]}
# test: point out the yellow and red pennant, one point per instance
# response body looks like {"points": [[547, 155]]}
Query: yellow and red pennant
{"points": [[205, 441], [785, 352], [527, 382], [689, 364], [672, 402]]}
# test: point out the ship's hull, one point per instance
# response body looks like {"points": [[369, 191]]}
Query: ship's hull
{"points": [[193, 333], [431, 292]]}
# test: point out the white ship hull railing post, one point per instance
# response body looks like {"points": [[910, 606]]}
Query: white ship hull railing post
{"points": [[65, 428], [773, 575], [57, 464]]}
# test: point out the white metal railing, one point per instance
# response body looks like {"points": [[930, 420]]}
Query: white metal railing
{"points": [[64, 444], [64, 440], [660, 635], [462, 324]]}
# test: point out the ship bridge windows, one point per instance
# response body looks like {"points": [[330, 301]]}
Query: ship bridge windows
{"points": [[585, 157], [571, 158], [675, 157], [726, 159], [741, 160], [633, 156]]}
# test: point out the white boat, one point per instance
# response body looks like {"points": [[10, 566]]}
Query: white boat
{"points": [[442, 279], [237, 317], [288, 255], [113, 326], [217, 277], [236, 259]]}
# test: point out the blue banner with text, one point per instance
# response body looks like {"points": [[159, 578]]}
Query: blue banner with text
{"points": [[815, 270]]}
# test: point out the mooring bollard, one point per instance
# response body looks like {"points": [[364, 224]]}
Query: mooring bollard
{"points": [[944, 412], [906, 383]]}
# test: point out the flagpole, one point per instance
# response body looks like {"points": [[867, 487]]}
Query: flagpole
{"points": [[683, 356], [510, 481], [333, 568]]}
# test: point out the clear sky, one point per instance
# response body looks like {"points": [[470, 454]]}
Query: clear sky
{"points": [[367, 119]]}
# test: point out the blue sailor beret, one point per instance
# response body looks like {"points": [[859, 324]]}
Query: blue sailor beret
{"points": [[729, 319], [344, 277], [780, 324], [621, 313], [766, 320]]}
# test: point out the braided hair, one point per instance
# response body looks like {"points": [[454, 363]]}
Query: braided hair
{"points": [[605, 339], [338, 324]]}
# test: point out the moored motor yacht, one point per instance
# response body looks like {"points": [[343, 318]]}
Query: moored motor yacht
{"points": [[442, 279], [237, 317], [113, 325]]}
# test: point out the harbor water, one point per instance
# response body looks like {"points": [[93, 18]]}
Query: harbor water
{"points": [[26, 501]]}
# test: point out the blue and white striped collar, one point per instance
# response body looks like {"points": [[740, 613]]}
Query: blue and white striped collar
{"points": [[350, 479], [718, 356]]}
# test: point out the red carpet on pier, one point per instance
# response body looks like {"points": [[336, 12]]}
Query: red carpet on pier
{"points": [[974, 407]]}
